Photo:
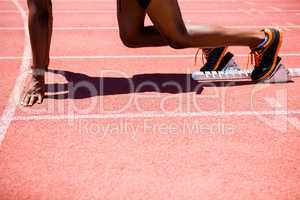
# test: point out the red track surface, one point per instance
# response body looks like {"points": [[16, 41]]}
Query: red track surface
{"points": [[239, 149]]}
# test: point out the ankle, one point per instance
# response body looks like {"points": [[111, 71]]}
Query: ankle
{"points": [[38, 71], [261, 39]]}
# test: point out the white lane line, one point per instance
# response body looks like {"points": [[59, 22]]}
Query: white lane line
{"points": [[69, 11], [263, 26], [130, 56], [10, 108], [276, 9], [199, 11], [155, 115], [72, 28], [113, 2]]}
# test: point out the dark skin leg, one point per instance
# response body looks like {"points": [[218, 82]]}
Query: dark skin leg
{"points": [[40, 29], [132, 31], [169, 28]]}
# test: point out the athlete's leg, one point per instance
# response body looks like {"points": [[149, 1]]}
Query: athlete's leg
{"points": [[265, 45], [167, 18], [133, 33], [40, 30]]}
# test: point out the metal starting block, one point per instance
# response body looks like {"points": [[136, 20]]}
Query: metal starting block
{"points": [[233, 73]]}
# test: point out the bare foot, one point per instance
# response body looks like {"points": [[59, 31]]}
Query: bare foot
{"points": [[34, 92]]}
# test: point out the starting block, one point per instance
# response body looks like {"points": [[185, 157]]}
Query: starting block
{"points": [[232, 73]]}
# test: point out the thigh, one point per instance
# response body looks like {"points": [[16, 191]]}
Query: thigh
{"points": [[166, 17], [131, 16]]}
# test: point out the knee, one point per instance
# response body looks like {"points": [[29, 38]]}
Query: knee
{"points": [[177, 40], [176, 44], [130, 39]]}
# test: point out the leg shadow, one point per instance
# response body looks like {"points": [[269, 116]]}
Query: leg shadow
{"points": [[82, 86]]}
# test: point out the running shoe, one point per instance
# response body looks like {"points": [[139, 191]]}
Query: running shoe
{"points": [[216, 59], [266, 57]]}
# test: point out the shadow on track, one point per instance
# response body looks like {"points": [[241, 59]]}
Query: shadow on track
{"points": [[82, 86]]}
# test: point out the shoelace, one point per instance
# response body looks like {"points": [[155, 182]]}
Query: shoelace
{"points": [[205, 55], [255, 58], [196, 56]]}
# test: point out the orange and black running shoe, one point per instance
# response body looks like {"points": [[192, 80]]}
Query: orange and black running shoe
{"points": [[216, 59], [266, 57]]}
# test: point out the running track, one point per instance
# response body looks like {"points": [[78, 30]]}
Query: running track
{"points": [[170, 139]]}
